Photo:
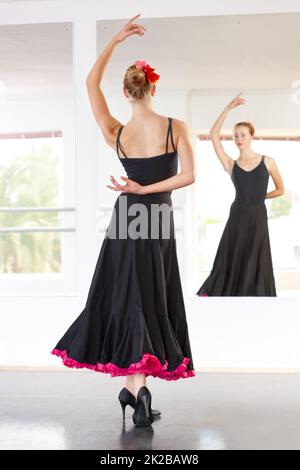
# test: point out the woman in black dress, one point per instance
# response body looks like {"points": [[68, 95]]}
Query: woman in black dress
{"points": [[134, 322], [243, 262]]}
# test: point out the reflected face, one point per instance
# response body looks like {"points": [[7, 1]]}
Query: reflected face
{"points": [[242, 137]]}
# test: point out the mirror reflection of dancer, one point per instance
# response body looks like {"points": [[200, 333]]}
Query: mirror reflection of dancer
{"points": [[134, 322], [243, 262]]}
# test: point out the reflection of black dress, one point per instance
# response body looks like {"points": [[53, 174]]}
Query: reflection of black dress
{"points": [[243, 263], [134, 320]]}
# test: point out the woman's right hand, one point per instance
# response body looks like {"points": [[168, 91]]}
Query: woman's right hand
{"points": [[130, 28], [237, 101]]}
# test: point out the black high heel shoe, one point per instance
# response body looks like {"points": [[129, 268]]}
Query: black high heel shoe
{"points": [[143, 415], [127, 398]]}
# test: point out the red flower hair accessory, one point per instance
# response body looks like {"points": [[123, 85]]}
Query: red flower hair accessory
{"points": [[149, 71]]}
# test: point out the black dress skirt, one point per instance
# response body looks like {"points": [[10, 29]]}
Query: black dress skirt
{"points": [[134, 320], [243, 262]]}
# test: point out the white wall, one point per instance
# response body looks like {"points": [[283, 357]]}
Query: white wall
{"points": [[225, 333]]}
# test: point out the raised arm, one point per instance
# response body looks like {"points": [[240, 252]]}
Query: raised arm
{"points": [[187, 173], [215, 131], [107, 123]]}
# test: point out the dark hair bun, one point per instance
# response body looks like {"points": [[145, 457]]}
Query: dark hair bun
{"points": [[136, 82]]}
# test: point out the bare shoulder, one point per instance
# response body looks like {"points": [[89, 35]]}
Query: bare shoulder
{"points": [[111, 137], [180, 126], [180, 130], [269, 160]]}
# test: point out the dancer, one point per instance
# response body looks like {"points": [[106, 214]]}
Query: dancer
{"points": [[243, 262], [134, 322]]}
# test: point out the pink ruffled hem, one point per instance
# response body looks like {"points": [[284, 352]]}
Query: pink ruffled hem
{"points": [[148, 365]]}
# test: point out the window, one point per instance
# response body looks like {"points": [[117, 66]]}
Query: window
{"points": [[37, 210]]}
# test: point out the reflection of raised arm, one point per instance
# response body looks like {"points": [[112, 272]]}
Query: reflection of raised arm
{"points": [[214, 134], [107, 123]]}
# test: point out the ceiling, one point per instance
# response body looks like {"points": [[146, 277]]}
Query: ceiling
{"points": [[219, 53]]}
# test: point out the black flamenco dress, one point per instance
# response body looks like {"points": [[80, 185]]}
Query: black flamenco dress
{"points": [[243, 262], [134, 320]]}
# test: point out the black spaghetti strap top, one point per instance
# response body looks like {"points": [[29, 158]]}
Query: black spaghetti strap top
{"points": [[149, 170], [250, 185]]}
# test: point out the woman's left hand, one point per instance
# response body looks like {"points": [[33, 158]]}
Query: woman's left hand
{"points": [[129, 29], [130, 186]]}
